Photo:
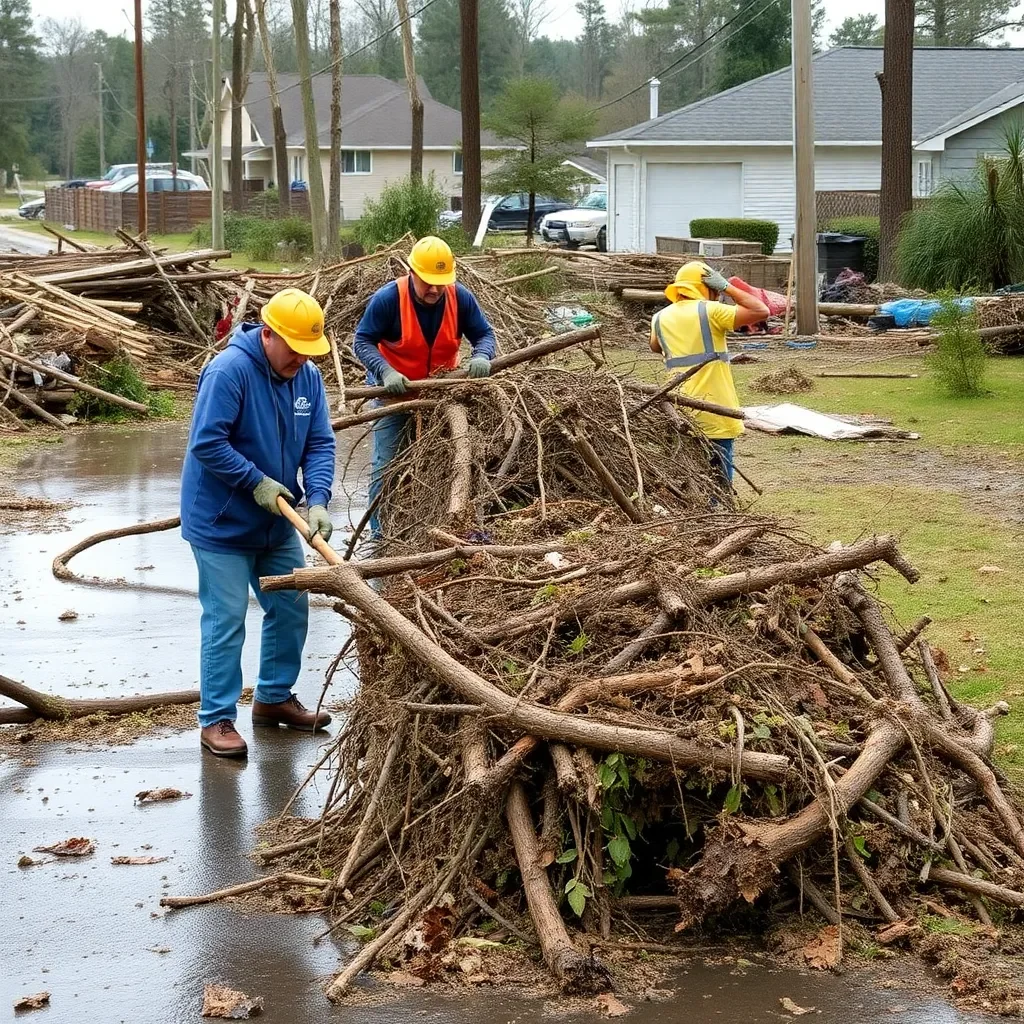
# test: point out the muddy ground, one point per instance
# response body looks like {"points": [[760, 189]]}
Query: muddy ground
{"points": [[92, 933]]}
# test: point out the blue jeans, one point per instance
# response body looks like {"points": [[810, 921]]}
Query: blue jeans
{"points": [[721, 458], [224, 581], [390, 436]]}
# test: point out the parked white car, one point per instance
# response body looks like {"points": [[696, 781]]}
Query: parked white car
{"points": [[161, 181], [586, 224]]}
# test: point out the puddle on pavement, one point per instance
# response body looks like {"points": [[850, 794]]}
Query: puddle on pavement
{"points": [[90, 932]]}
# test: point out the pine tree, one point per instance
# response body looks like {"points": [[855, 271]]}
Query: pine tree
{"points": [[19, 64], [439, 58], [595, 47], [547, 128]]}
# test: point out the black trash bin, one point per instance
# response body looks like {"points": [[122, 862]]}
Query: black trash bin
{"points": [[836, 252]]}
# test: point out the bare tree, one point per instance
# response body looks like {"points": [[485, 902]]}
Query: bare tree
{"points": [[469, 47], [528, 16], [237, 95], [334, 197], [415, 103], [277, 118], [66, 43], [896, 82], [314, 171]]}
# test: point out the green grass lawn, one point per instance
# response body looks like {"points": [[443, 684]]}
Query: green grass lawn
{"points": [[930, 494]]}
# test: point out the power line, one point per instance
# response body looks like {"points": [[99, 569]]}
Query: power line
{"points": [[692, 50], [359, 50]]}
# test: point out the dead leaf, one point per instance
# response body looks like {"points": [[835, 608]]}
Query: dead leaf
{"points": [[403, 979], [229, 1004], [137, 860], [610, 1005], [158, 949], [78, 846], [797, 1011], [68, 616], [471, 964], [36, 1002], [152, 796], [25, 861], [990, 568], [822, 952]]}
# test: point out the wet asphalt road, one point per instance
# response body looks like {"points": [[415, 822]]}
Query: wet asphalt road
{"points": [[93, 934], [13, 239]]}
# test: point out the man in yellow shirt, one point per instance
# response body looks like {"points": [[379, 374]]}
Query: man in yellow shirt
{"points": [[691, 332]]}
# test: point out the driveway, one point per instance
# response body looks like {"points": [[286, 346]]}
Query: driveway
{"points": [[24, 241]]}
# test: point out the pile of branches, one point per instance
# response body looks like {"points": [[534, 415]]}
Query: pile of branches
{"points": [[590, 687]]}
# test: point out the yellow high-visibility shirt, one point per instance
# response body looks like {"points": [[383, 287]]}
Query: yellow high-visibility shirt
{"points": [[684, 341]]}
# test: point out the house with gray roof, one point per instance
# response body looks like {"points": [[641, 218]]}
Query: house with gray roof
{"points": [[731, 155], [376, 131]]}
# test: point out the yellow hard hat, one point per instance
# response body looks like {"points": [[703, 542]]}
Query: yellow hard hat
{"points": [[432, 260], [689, 282], [298, 318]]}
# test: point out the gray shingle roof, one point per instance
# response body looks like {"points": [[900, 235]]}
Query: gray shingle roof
{"points": [[595, 165], [847, 101], [1011, 92], [374, 112]]}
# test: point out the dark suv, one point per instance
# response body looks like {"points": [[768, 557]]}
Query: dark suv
{"points": [[510, 212]]}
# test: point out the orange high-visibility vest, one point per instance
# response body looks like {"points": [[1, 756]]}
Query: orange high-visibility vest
{"points": [[411, 355]]}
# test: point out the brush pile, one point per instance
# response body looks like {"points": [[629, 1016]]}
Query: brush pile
{"points": [[591, 689]]}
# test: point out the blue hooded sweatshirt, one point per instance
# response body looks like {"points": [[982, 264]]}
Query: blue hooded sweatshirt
{"points": [[249, 423]]}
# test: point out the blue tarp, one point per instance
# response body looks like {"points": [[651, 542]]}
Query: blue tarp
{"points": [[916, 312]]}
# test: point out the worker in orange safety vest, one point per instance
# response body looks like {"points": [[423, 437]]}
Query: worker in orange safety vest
{"points": [[411, 329]]}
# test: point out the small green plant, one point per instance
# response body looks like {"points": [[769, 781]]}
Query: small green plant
{"points": [[456, 239], [403, 207], [615, 778], [946, 925], [297, 235], [745, 228], [869, 229], [119, 377], [959, 362], [578, 644], [261, 240]]}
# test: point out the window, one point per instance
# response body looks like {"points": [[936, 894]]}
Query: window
{"points": [[516, 201], [923, 182], [457, 161], [355, 161], [296, 168]]}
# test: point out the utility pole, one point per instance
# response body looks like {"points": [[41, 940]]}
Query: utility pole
{"points": [[140, 121], [192, 117], [470, 87], [896, 194], [103, 162], [805, 249], [216, 161]]}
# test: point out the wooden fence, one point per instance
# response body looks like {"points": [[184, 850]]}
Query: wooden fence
{"points": [[94, 209]]}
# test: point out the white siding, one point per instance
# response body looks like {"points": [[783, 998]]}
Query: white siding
{"points": [[768, 184]]}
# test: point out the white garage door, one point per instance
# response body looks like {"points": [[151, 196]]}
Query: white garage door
{"points": [[677, 193]]}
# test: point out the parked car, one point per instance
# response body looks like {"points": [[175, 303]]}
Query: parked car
{"points": [[584, 224], [33, 209], [118, 171], [510, 212], [161, 181]]}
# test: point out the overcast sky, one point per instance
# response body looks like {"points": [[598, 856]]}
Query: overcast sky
{"points": [[113, 16]]}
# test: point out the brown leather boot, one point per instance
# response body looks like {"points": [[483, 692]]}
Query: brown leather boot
{"points": [[290, 713], [223, 740]]}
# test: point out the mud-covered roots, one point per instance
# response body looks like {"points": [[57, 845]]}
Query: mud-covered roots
{"points": [[589, 685]]}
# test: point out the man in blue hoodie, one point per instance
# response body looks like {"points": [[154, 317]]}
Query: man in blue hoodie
{"points": [[260, 416]]}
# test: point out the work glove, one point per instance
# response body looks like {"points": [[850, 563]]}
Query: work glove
{"points": [[319, 523], [715, 281], [267, 492], [479, 366], [394, 382]]}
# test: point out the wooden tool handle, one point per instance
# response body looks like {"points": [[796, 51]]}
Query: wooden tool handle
{"points": [[317, 543]]}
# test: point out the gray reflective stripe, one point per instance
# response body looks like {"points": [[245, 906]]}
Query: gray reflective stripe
{"points": [[695, 360], [656, 324], [707, 336]]}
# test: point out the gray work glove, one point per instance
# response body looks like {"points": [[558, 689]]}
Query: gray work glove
{"points": [[394, 382], [319, 523], [479, 366], [715, 280], [267, 492]]}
